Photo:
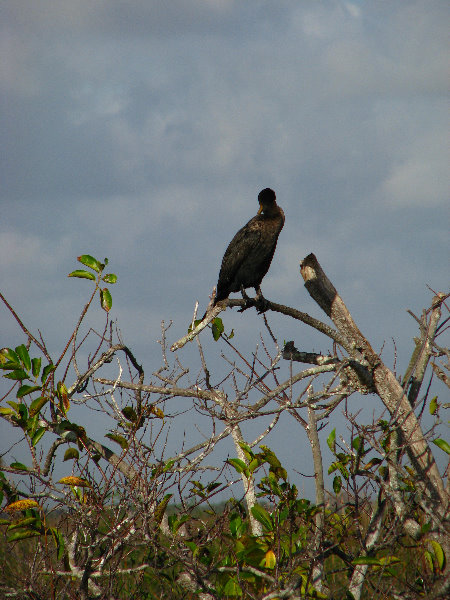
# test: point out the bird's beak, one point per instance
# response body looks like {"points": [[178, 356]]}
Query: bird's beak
{"points": [[260, 209]]}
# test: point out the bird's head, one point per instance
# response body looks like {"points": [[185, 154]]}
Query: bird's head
{"points": [[267, 201]]}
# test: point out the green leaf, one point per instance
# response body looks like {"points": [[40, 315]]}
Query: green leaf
{"points": [[38, 435], [62, 393], [248, 451], [82, 275], [331, 441], [337, 484], [31, 425], [23, 411], [389, 560], [71, 454], [237, 526], [175, 523], [9, 359], [270, 560], [110, 278], [261, 515], [238, 464], [429, 560], [366, 560], [161, 508], [59, 542], [118, 439], [192, 547], [24, 522], [89, 261], [438, 553], [105, 299], [46, 372], [217, 328], [18, 374], [6, 411], [36, 366], [426, 527], [22, 535], [18, 466], [196, 322], [171, 521], [24, 390], [36, 405], [356, 443], [372, 462], [169, 464], [442, 444], [64, 426], [25, 359], [231, 588], [433, 405], [338, 465], [130, 414], [253, 464]]}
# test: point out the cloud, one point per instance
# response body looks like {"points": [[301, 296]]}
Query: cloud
{"points": [[144, 130], [30, 252], [421, 178]]}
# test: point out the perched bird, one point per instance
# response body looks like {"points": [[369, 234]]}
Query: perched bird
{"points": [[249, 254]]}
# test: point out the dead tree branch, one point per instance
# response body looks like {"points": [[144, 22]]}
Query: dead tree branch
{"points": [[388, 388]]}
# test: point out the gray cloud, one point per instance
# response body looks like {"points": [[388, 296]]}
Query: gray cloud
{"points": [[144, 130]]}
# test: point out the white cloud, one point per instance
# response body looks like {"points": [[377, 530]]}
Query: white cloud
{"points": [[153, 129], [27, 252], [420, 177], [16, 72]]}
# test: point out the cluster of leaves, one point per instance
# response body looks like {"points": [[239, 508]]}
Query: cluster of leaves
{"points": [[98, 267], [21, 368], [35, 389], [31, 522], [37, 382], [288, 529], [391, 562], [241, 564]]}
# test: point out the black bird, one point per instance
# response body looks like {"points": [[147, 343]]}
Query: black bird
{"points": [[249, 254]]}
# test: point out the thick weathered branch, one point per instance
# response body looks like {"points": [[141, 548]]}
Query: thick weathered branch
{"points": [[388, 388]]}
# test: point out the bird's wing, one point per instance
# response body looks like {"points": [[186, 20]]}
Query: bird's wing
{"points": [[241, 246]]}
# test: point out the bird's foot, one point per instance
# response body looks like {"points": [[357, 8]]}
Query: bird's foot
{"points": [[249, 302], [244, 294], [261, 304]]}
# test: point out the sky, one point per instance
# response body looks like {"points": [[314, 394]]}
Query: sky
{"points": [[142, 131]]}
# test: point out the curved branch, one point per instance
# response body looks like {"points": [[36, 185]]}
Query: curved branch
{"points": [[269, 305], [105, 358]]}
